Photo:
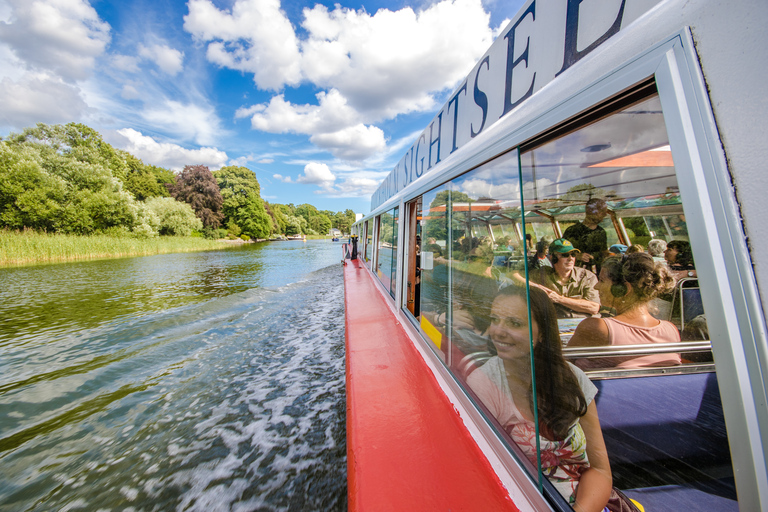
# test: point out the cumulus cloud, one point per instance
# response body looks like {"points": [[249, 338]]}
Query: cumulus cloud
{"points": [[372, 66], [63, 36], [254, 36], [331, 124], [190, 121], [165, 154], [284, 179], [355, 143], [169, 60], [39, 98], [356, 187], [391, 63], [317, 174]]}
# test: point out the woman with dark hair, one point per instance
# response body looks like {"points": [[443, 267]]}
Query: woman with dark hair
{"points": [[680, 259], [573, 454], [627, 284]]}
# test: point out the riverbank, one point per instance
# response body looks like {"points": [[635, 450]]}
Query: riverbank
{"points": [[18, 248]]}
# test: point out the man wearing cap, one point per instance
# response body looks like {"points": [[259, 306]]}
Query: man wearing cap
{"points": [[588, 237], [571, 288]]}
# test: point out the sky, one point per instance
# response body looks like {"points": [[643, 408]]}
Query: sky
{"points": [[319, 99]]}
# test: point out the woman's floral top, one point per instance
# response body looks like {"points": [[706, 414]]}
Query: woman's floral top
{"points": [[562, 462]]}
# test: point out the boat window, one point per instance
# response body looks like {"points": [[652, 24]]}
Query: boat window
{"points": [[575, 249], [386, 258], [368, 242]]}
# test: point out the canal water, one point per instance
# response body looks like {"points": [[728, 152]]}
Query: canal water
{"points": [[206, 381]]}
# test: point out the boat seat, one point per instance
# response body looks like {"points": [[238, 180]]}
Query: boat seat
{"points": [[667, 441]]}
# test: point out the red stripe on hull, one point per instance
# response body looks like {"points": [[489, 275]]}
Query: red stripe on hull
{"points": [[407, 447]]}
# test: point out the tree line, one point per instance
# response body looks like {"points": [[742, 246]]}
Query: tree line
{"points": [[67, 179]]}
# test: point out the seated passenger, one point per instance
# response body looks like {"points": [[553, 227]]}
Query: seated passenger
{"points": [[627, 285], [573, 454], [656, 249], [539, 258], [680, 259], [635, 248], [571, 288]]}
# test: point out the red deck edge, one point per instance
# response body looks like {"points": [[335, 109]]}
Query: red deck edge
{"points": [[407, 447]]}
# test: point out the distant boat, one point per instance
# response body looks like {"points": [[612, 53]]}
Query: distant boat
{"points": [[334, 239]]}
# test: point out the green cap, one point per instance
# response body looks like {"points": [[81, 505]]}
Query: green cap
{"points": [[562, 246]]}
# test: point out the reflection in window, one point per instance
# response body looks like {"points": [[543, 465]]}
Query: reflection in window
{"points": [[386, 259], [368, 242], [585, 199]]}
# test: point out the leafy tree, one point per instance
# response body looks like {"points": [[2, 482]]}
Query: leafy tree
{"points": [[278, 219], [197, 187], [173, 217], [78, 142], [54, 190], [242, 203], [145, 181], [294, 225]]}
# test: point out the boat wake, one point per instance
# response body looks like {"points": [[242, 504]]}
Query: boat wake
{"points": [[233, 404]]}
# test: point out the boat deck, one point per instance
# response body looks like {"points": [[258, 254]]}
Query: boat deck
{"points": [[407, 447]]}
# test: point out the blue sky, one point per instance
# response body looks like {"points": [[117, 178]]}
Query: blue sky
{"points": [[319, 99]]}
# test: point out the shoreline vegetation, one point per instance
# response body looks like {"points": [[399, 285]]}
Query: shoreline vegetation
{"points": [[28, 247], [21, 248]]}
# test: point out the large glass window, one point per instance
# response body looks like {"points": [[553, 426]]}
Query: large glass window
{"points": [[386, 259], [368, 242], [559, 286]]}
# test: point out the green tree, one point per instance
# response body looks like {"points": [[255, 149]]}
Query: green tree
{"points": [[78, 142], [242, 203], [197, 187], [173, 218], [54, 190]]}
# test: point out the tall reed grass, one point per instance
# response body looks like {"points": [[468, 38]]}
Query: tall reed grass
{"points": [[30, 247]]}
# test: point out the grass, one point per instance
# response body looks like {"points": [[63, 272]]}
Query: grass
{"points": [[27, 247]]}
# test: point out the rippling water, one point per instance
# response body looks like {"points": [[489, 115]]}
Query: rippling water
{"points": [[207, 381]]}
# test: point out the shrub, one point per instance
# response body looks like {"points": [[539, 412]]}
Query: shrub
{"points": [[175, 218]]}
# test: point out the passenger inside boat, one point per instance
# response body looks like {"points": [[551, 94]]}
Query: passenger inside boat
{"points": [[571, 288], [588, 236], [627, 284], [658, 405], [573, 454]]}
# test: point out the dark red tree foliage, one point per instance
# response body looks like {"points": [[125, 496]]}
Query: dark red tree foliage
{"points": [[196, 186]]}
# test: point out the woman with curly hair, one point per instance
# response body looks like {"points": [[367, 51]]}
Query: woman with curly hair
{"points": [[627, 284], [573, 454]]}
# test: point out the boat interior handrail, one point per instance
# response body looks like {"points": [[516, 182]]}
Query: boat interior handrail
{"points": [[649, 371], [636, 350]]}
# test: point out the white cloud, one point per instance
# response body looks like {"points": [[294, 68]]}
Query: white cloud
{"points": [[169, 60], [352, 187], [278, 116], [372, 66], [126, 63], [391, 63], [39, 99], [317, 174], [284, 179], [190, 121], [265, 161], [254, 36], [165, 154], [331, 124], [129, 92], [64, 36], [355, 143]]}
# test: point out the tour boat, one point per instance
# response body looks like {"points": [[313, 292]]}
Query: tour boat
{"points": [[653, 107]]}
